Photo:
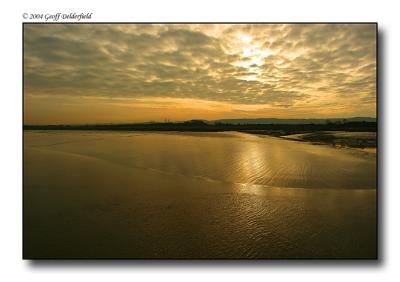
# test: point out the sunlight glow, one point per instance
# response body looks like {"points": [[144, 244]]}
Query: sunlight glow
{"points": [[253, 56], [136, 73]]}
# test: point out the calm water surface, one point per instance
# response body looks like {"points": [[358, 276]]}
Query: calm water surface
{"points": [[194, 195]]}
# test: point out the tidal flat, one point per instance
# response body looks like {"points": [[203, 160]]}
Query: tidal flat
{"points": [[111, 194]]}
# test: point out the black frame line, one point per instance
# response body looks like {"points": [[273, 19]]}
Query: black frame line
{"points": [[378, 175]]}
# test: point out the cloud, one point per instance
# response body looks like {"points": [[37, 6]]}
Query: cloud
{"points": [[277, 65]]}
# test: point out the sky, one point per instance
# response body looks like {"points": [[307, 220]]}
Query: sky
{"points": [[122, 73]]}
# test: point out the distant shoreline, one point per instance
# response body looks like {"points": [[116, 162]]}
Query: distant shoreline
{"points": [[328, 134], [199, 126]]}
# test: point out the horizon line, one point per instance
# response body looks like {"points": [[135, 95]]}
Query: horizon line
{"points": [[194, 119]]}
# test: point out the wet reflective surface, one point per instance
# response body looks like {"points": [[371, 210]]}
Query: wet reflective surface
{"points": [[195, 195]]}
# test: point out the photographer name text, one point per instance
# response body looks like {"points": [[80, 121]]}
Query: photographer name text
{"points": [[58, 17]]}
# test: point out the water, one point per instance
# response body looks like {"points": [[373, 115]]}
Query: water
{"points": [[195, 195]]}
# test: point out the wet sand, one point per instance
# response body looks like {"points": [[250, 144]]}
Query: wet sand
{"points": [[344, 139], [218, 195]]}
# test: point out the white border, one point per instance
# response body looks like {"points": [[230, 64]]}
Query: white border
{"points": [[12, 266]]}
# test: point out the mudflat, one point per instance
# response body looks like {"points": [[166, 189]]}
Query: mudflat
{"points": [[212, 195]]}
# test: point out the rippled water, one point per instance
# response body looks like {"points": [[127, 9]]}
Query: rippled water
{"points": [[194, 195]]}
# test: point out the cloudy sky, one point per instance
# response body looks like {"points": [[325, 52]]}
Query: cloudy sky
{"points": [[132, 73]]}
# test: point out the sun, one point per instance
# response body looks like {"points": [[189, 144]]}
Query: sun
{"points": [[244, 38], [252, 56]]}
